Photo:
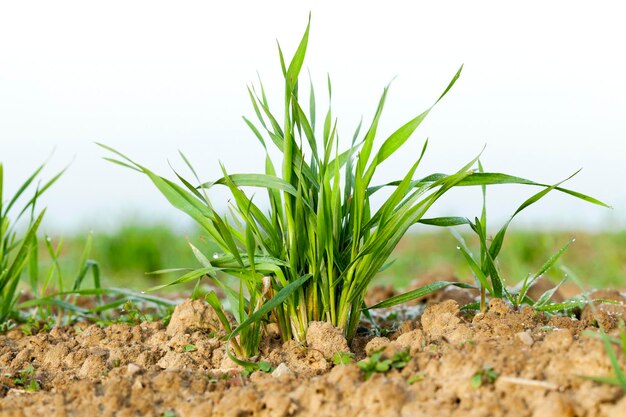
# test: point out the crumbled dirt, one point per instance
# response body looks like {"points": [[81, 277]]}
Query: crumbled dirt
{"points": [[193, 315], [182, 369]]}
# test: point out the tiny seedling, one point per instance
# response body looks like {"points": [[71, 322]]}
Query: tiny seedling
{"points": [[377, 363], [343, 358], [33, 326], [486, 269], [27, 379], [418, 377], [190, 348], [483, 377], [261, 366]]}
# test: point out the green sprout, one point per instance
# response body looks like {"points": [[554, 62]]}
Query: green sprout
{"points": [[261, 366], [483, 377], [418, 377], [27, 379], [343, 358], [378, 363]]}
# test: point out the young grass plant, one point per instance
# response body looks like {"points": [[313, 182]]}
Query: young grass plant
{"points": [[18, 249], [313, 256], [486, 269]]}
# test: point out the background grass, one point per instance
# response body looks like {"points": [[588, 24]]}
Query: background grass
{"points": [[129, 252], [125, 255], [598, 258]]}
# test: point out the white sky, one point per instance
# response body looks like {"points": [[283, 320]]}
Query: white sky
{"points": [[543, 86]]}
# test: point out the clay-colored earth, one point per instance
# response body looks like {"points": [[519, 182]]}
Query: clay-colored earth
{"points": [[532, 365]]}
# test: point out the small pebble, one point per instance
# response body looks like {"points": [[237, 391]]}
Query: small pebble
{"points": [[132, 369], [525, 338], [281, 369]]}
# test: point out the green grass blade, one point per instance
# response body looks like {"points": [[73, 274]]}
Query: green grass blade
{"points": [[417, 293], [296, 63], [312, 103], [445, 221], [546, 296], [478, 273], [487, 178], [40, 190], [550, 262], [1, 190], [21, 190], [563, 306], [498, 240], [214, 302], [190, 276], [256, 180]]}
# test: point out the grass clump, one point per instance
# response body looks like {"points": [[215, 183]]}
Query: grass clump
{"points": [[314, 254], [52, 292]]}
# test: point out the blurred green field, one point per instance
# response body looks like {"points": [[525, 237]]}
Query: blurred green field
{"points": [[134, 249], [599, 259]]}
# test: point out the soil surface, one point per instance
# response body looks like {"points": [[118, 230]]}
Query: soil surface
{"points": [[501, 363]]}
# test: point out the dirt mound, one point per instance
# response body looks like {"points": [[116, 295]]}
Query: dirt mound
{"points": [[501, 363]]}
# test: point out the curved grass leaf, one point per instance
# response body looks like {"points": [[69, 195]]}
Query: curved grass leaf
{"points": [[546, 296], [271, 304], [255, 180], [313, 256], [296, 63], [190, 276], [417, 293], [546, 266], [563, 306]]}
